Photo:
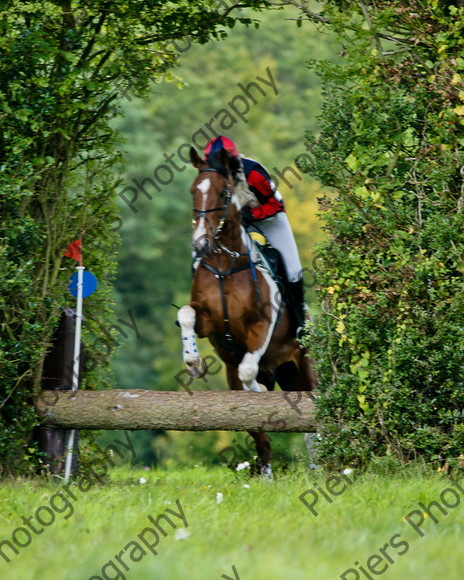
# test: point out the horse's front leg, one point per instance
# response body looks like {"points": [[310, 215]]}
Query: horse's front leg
{"points": [[257, 342], [194, 363], [259, 333], [248, 371]]}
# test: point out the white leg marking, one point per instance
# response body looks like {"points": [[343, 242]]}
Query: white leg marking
{"points": [[266, 472], [255, 386], [192, 359], [248, 368]]}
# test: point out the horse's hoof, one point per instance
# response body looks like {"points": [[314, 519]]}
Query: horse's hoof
{"points": [[255, 386], [196, 369], [266, 472]]}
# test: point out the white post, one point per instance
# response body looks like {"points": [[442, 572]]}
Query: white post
{"points": [[76, 362]]}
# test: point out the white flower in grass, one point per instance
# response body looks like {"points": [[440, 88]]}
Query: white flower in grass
{"points": [[142, 480], [181, 534], [246, 485], [243, 465], [347, 471], [219, 497]]}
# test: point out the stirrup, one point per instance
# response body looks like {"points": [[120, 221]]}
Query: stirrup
{"points": [[300, 331], [300, 334]]}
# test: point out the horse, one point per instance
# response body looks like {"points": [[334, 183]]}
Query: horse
{"points": [[234, 302]]}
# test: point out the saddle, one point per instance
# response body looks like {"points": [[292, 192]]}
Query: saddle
{"points": [[271, 260]]}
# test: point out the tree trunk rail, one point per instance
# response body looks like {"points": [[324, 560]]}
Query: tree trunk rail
{"points": [[291, 412]]}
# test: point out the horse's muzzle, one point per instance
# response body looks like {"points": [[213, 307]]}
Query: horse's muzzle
{"points": [[202, 247]]}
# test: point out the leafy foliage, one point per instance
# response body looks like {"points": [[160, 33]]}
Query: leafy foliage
{"points": [[60, 64], [391, 337]]}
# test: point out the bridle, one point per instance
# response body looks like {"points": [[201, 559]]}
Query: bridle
{"points": [[198, 213], [218, 249]]}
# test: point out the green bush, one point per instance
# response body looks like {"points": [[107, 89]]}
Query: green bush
{"points": [[60, 65], [390, 340]]}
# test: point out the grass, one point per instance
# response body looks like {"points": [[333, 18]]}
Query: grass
{"points": [[264, 530]]}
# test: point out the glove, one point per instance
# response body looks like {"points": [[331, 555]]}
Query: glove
{"points": [[247, 216]]}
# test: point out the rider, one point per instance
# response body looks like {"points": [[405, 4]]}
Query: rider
{"points": [[267, 217]]}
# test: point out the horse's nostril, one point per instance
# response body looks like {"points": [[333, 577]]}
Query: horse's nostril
{"points": [[201, 247], [198, 250]]}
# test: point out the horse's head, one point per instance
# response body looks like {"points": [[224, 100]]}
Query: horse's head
{"points": [[212, 193]]}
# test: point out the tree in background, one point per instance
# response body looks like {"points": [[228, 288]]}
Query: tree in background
{"points": [[63, 66], [154, 262], [155, 256], [390, 341]]}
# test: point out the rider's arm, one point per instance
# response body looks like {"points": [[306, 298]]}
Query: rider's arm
{"points": [[261, 187]]}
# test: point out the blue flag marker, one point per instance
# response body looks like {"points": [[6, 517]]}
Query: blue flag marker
{"points": [[89, 284]]}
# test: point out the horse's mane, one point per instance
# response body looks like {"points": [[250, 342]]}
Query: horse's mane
{"points": [[241, 189], [234, 165]]}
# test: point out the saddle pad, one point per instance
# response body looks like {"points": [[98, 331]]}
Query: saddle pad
{"points": [[271, 261]]}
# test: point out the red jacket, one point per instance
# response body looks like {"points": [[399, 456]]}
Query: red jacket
{"points": [[260, 184]]}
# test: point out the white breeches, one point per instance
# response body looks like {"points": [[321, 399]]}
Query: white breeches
{"points": [[278, 233]]}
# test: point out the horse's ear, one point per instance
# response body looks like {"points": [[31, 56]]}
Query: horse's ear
{"points": [[195, 159]]}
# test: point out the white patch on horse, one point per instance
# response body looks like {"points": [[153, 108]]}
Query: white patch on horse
{"points": [[204, 186], [266, 472], [249, 367], [200, 232], [186, 317]]}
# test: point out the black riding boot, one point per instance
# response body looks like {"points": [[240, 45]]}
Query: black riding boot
{"points": [[298, 306]]}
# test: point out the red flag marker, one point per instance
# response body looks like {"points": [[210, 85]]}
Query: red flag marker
{"points": [[74, 251]]}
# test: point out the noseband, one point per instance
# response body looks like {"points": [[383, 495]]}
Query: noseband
{"points": [[197, 213]]}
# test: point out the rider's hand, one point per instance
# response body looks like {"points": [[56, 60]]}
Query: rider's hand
{"points": [[247, 216]]}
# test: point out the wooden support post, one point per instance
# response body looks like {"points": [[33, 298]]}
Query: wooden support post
{"points": [[57, 374]]}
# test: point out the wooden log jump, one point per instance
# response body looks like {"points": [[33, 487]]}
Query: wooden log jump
{"points": [[291, 412]]}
